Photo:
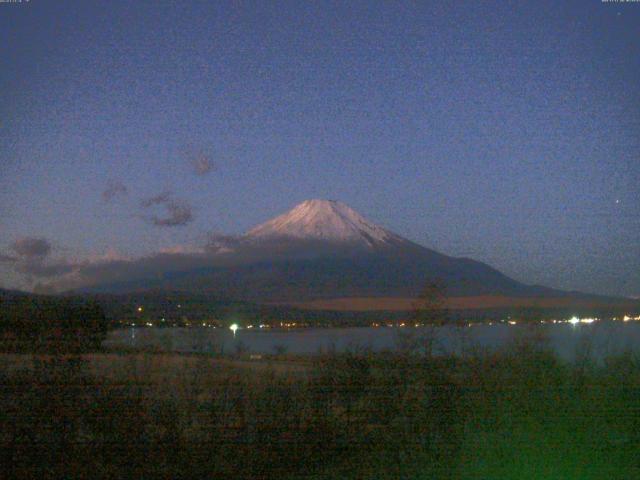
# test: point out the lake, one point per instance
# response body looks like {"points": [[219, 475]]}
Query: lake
{"points": [[600, 338]]}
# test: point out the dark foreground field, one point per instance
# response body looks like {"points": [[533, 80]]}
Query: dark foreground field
{"points": [[517, 414]]}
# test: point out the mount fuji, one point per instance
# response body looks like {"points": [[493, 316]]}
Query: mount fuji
{"points": [[324, 250]]}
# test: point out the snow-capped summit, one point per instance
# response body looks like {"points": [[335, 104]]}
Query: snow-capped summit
{"points": [[324, 220]]}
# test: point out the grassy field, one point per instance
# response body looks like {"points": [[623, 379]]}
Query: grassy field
{"points": [[515, 414]]}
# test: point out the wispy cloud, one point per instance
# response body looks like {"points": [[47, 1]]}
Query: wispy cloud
{"points": [[202, 164], [177, 213], [114, 189], [159, 199], [198, 159]]}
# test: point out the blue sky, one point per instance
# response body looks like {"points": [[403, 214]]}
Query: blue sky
{"points": [[506, 132]]}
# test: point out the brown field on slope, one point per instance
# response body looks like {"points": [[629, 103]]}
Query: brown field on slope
{"points": [[476, 302]]}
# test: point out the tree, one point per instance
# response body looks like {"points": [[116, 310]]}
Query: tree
{"points": [[431, 307], [430, 312]]}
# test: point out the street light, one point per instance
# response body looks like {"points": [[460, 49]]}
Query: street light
{"points": [[234, 327]]}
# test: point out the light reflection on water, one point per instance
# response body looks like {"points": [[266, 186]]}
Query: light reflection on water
{"points": [[600, 339]]}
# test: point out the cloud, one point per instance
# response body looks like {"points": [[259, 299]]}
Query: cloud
{"points": [[38, 268], [31, 247], [159, 199], [104, 272], [220, 243], [33, 258], [110, 255], [114, 189], [47, 274], [111, 268], [181, 249], [177, 213], [198, 159], [219, 251], [202, 164]]}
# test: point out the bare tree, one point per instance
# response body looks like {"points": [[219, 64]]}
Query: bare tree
{"points": [[430, 312]]}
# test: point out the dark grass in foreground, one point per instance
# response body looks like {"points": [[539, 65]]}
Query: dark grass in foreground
{"points": [[518, 414]]}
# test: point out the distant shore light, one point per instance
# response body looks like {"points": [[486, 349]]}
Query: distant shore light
{"points": [[234, 327]]}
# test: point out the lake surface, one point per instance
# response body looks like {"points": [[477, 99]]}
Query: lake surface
{"points": [[600, 338]]}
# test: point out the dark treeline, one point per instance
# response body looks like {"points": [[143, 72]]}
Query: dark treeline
{"points": [[518, 413], [31, 323]]}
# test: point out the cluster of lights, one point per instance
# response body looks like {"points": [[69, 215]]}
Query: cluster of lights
{"points": [[573, 321], [288, 325]]}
